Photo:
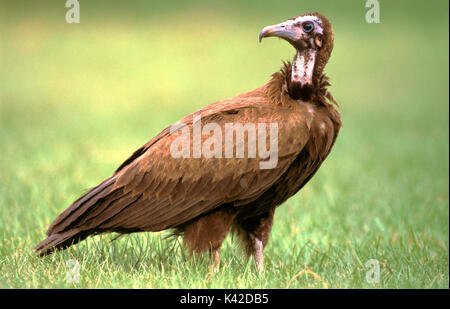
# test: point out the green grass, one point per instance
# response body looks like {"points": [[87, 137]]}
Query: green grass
{"points": [[76, 100]]}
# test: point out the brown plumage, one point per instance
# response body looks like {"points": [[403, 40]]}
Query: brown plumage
{"points": [[203, 198]]}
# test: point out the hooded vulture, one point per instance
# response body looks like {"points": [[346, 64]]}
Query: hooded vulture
{"points": [[177, 182]]}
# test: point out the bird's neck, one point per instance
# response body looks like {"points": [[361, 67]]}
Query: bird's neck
{"points": [[301, 83], [281, 90], [303, 67]]}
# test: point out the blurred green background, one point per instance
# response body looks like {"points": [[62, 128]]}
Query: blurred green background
{"points": [[77, 99]]}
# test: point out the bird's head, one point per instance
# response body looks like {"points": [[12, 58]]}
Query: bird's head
{"points": [[312, 37]]}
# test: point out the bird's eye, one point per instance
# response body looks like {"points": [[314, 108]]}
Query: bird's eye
{"points": [[308, 26]]}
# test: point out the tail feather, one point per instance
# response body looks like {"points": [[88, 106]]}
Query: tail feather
{"points": [[64, 231], [79, 207], [59, 242]]}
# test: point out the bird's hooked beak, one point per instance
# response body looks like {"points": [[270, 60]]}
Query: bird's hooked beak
{"points": [[284, 31]]}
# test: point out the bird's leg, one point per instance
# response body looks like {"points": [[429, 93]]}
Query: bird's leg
{"points": [[208, 232], [215, 259], [258, 255], [254, 234], [216, 256]]}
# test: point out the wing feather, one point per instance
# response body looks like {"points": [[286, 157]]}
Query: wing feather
{"points": [[153, 191]]}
